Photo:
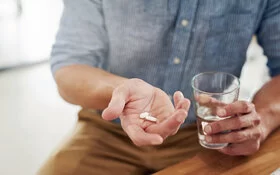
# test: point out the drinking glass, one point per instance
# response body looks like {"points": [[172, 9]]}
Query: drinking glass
{"points": [[212, 90]]}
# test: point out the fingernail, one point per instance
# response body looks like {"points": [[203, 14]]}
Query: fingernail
{"points": [[157, 142], [208, 139], [208, 129], [222, 112], [181, 95]]}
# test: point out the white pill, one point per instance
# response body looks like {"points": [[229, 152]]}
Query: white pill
{"points": [[144, 115], [151, 118]]}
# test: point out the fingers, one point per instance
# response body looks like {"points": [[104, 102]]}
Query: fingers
{"points": [[233, 123], [140, 138], [117, 103], [242, 149], [238, 107], [174, 121], [180, 101], [183, 104], [169, 126], [208, 101], [235, 136], [178, 96]]}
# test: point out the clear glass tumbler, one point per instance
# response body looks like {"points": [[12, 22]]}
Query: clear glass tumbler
{"points": [[212, 90]]}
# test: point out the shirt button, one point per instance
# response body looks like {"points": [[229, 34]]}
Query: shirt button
{"points": [[185, 23], [176, 60]]}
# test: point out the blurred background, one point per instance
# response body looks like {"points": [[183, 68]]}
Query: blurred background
{"points": [[33, 118]]}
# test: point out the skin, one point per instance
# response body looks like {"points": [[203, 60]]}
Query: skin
{"points": [[127, 98], [95, 88], [251, 122], [135, 96], [86, 86]]}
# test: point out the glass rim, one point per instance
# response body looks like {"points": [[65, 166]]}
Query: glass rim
{"points": [[216, 93]]}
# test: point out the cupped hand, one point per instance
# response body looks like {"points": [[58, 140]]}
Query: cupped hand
{"points": [[134, 97]]}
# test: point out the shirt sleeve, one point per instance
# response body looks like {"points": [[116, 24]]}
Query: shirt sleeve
{"points": [[81, 38], [269, 35]]}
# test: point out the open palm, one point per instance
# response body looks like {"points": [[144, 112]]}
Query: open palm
{"points": [[134, 97]]}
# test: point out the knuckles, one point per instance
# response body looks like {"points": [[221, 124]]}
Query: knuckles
{"points": [[247, 106], [216, 127], [238, 122], [257, 135], [239, 137], [256, 120], [242, 136]]}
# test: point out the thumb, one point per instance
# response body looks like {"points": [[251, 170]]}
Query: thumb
{"points": [[117, 103]]}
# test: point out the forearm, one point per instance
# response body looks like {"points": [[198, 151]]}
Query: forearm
{"points": [[267, 102], [86, 86]]}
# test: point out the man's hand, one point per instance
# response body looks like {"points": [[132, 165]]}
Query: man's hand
{"points": [[134, 97], [245, 126]]}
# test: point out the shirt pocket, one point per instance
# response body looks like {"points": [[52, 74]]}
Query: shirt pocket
{"points": [[229, 30], [161, 8], [227, 40], [231, 23], [157, 11]]}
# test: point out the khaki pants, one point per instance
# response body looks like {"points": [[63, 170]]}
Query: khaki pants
{"points": [[100, 147]]}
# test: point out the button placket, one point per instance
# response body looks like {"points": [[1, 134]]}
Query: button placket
{"points": [[177, 60], [180, 47], [185, 22]]}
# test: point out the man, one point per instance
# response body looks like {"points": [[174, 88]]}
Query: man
{"points": [[126, 57]]}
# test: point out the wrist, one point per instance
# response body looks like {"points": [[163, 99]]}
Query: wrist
{"points": [[267, 125]]}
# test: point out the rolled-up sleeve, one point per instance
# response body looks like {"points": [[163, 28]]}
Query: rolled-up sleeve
{"points": [[269, 35], [81, 38]]}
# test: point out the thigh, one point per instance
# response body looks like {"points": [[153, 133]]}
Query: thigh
{"points": [[179, 147], [67, 156], [95, 147]]}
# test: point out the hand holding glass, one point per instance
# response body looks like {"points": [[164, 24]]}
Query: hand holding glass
{"points": [[212, 90]]}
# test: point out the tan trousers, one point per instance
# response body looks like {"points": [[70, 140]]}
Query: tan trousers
{"points": [[100, 147]]}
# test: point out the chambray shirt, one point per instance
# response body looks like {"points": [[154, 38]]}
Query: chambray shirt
{"points": [[166, 42]]}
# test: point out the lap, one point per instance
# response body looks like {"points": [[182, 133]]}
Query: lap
{"points": [[100, 147], [94, 148]]}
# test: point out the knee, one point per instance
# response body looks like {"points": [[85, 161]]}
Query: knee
{"points": [[60, 163]]}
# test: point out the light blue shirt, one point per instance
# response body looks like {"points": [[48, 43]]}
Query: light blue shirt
{"points": [[166, 42]]}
